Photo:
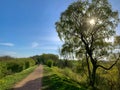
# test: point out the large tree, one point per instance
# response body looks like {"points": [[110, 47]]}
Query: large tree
{"points": [[84, 28]]}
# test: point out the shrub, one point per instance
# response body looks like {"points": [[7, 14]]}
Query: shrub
{"points": [[15, 65], [49, 63], [3, 69]]}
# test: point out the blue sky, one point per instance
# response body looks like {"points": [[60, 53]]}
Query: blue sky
{"points": [[27, 27]]}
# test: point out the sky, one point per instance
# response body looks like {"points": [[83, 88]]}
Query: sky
{"points": [[27, 27]]}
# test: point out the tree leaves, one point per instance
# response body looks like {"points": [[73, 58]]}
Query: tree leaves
{"points": [[74, 28]]}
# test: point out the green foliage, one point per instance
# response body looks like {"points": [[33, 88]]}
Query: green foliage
{"points": [[49, 63], [44, 57], [105, 80], [7, 82], [57, 79], [75, 30], [65, 63], [15, 65], [3, 69], [84, 27]]}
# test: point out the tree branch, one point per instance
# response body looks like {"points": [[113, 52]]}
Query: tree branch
{"points": [[110, 66]]}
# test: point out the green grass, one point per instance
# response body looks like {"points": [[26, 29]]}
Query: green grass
{"points": [[58, 79], [7, 82]]}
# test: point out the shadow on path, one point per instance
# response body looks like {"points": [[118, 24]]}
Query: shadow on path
{"points": [[31, 85], [32, 81]]}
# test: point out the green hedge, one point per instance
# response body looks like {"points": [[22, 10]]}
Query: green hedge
{"points": [[16, 65], [50, 63]]}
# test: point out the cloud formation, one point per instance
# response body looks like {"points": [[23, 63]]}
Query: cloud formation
{"points": [[7, 44], [35, 44]]}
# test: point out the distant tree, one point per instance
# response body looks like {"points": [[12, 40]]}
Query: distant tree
{"points": [[6, 58], [44, 57], [84, 28]]}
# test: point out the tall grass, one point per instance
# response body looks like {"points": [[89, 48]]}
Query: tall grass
{"points": [[61, 79]]}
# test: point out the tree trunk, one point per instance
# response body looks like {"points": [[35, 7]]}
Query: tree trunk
{"points": [[93, 76], [88, 67]]}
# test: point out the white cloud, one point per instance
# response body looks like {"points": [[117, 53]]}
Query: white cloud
{"points": [[7, 44], [35, 44]]}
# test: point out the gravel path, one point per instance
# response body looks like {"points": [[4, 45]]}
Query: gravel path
{"points": [[32, 81]]}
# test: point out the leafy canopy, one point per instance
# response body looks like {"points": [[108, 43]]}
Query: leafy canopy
{"points": [[85, 27]]}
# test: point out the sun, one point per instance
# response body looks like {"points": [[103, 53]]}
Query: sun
{"points": [[92, 21]]}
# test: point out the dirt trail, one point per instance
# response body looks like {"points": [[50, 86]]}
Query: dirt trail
{"points": [[32, 81]]}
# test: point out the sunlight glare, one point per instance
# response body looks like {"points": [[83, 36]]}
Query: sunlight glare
{"points": [[92, 21]]}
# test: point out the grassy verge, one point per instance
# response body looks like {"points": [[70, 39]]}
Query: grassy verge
{"points": [[7, 82], [58, 79]]}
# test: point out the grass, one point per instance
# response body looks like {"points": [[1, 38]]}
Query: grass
{"points": [[58, 79], [7, 82]]}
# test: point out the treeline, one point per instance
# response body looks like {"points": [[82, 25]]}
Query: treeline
{"points": [[52, 60], [9, 65], [43, 59]]}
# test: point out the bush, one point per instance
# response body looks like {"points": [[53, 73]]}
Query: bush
{"points": [[49, 63], [15, 65], [3, 69]]}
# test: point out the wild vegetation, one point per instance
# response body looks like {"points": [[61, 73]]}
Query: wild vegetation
{"points": [[7, 82], [60, 79], [13, 70], [75, 77], [72, 74], [11, 65], [43, 59]]}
